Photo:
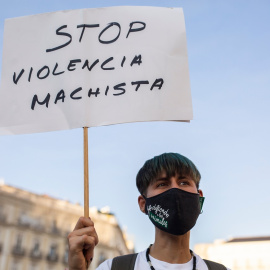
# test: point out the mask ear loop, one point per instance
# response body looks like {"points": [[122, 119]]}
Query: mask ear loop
{"points": [[201, 199], [145, 200]]}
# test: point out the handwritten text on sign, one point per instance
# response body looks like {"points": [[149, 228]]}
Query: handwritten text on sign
{"points": [[94, 67]]}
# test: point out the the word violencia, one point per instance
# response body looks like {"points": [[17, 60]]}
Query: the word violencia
{"points": [[79, 93], [45, 71]]}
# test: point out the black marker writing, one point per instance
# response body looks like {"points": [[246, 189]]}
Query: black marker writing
{"points": [[105, 29], [73, 93], [15, 78], [61, 34], [135, 26], [74, 64], [83, 26], [131, 29], [117, 90], [45, 101]]}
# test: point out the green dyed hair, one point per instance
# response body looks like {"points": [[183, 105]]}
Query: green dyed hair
{"points": [[171, 164]]}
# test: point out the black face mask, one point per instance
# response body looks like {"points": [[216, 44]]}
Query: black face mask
{"points": [[174, 211]]}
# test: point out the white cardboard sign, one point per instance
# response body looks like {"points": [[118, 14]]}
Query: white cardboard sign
{"points": [[94, 67]]}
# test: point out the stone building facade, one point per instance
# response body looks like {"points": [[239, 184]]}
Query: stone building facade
{"points": [[246, 253], [34, 229]]}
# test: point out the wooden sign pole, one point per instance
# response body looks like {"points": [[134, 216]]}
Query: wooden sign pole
{"points": [[86, 176]]}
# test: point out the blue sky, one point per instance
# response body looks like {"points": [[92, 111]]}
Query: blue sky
{"points": [[229, 64]]}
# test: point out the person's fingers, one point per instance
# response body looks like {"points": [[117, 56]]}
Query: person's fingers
{"points": [[86, 230], [89, 231], [89, 248], [79, 242], [82, 241], [83, 222]]}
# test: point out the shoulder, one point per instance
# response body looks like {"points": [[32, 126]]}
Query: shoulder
{"points": [[106, 265], [203, 264], [206, 264]]}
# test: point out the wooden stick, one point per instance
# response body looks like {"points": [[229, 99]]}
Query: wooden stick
{"points": [[86, 176]]}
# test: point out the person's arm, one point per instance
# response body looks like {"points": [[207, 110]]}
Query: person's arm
{"points": [[82, 242]]}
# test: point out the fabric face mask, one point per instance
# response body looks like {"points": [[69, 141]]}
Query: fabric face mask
{"points": [[174, 211]]}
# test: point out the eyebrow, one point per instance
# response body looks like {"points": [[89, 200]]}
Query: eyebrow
{"points": [[165, 178]]}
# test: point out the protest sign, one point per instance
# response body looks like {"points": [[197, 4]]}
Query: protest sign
{"points": [[94, 67]]}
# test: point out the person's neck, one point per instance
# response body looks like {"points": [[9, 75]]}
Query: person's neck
{"points": [[171, 248]]}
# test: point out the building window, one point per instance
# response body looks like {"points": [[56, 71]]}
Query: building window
{"points": [[24, 220], [1, 240], [18, 249], [19, 241], [52, 256], [36, 246], [37, 224], [54, 228], [65, 258], [52, 252], [35, 253], [2, 214]]}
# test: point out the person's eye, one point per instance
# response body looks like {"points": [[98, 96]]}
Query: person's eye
{"points": [[184, 183], [161, 184]]}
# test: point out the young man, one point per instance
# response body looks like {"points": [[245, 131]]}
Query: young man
{"points": [[170, 196]]}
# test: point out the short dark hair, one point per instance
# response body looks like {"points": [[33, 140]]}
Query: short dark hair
{"points": [[171, 164]]}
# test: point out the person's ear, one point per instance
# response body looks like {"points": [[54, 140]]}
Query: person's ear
{"points": [[200, 192], [141, 202]]}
